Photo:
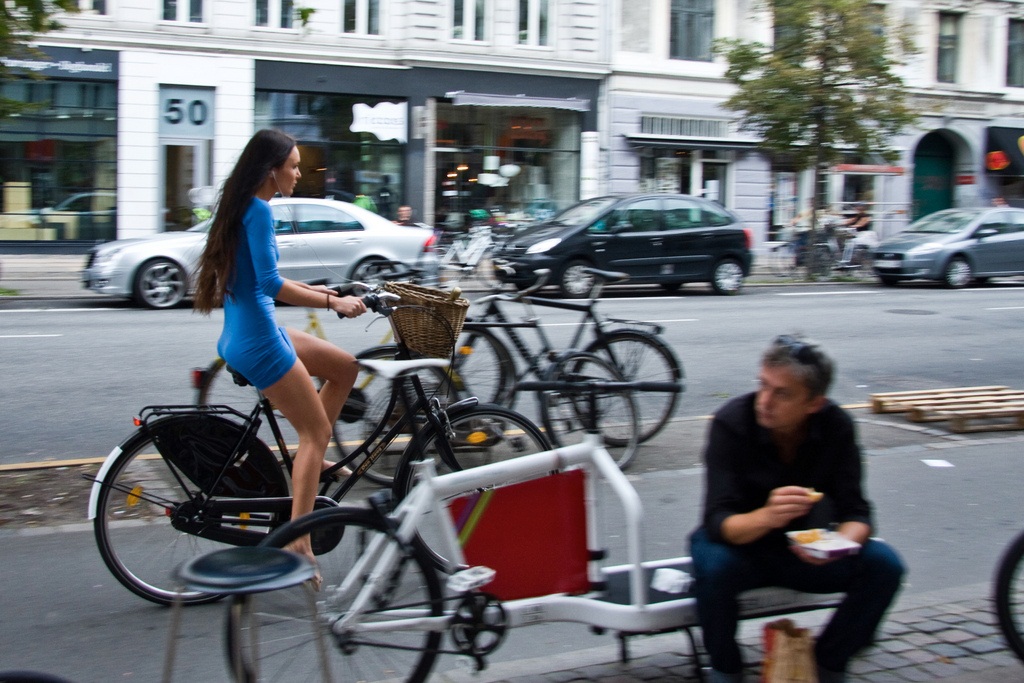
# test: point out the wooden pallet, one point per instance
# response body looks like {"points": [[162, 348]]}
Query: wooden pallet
{"points": [[901, 401], [966, 409]]}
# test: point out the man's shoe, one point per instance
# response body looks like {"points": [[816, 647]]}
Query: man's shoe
{"points": [[826, 676]]}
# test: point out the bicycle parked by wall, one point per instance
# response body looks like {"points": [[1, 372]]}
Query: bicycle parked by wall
{"points": [[192, 477]]}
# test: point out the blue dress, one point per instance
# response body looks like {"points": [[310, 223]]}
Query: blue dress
{"points": [[251, 341]]}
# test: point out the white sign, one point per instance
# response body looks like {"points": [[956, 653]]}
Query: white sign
{"points": [[186, 112], [387, 120]]}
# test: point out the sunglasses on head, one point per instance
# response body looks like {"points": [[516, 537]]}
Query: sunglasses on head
{"points": [[798, 350]]}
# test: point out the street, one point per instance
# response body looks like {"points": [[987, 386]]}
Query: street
{"points": [[74, 378]]}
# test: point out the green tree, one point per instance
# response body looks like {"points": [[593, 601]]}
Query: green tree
{"points": [[20, 22], [826, 88]]}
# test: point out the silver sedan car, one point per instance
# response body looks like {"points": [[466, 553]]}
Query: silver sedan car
{"points": [[317, 238], [955, 246]]}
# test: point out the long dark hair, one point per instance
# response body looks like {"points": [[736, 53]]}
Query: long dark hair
{"points": [[268, 149]]}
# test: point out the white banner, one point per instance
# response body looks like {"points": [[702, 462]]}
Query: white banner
{"points": [[386, 120]]}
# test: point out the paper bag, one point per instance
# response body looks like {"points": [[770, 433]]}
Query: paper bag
{"points": [[788, 654]]}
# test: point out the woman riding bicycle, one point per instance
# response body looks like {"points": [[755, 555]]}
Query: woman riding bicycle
{"points": [[238, 269]]}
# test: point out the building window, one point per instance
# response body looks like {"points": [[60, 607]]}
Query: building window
{"points": [[468, 19], [949, 39], [183, 10], [92, 6], [361, 16], [272, 13], [692, 29], [533, 22], [1015, 54]]}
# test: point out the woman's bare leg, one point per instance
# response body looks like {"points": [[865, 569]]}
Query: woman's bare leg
{"points": [[336, 367], [297, 400]]}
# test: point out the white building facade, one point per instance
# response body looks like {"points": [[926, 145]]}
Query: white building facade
{"points": [[453, 105]]}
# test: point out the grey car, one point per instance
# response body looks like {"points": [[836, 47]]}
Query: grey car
{"points": [[955, 246], [317, 238]]}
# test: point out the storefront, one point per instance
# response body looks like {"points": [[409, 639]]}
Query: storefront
{"points": [[58, 156], [444, 141]]}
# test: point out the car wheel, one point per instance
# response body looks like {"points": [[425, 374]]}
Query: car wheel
{"points": [[369, 269], [958, 273], [889, 280], [574, 282], [727, 277], [160, 283]]}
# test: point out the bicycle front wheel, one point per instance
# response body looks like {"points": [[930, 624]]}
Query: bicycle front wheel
{"points": [[782, 259], [568, 414], [291, 635], [643, 357], [1009, 596]]}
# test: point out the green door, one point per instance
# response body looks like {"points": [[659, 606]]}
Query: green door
{"points": [[933, 175]]}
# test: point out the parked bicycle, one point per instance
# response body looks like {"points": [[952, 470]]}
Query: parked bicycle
{"points": [[634, 348], [838, 250], [192, 477]]}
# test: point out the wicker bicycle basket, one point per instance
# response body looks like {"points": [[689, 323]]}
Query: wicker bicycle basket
{"points": [[427, 320]]}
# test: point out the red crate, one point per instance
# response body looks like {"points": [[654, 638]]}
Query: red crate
{"points": [[533, 534]]}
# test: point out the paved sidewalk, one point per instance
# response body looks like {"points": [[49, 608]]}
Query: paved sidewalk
{"points": [[947, 635]]}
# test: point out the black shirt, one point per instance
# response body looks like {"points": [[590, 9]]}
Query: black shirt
{"points": [[743, 467]]}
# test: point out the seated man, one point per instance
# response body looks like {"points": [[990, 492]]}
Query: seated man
{"points": [[765, 451]]}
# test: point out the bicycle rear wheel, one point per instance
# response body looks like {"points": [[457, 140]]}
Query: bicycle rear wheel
{"points": [[566, 415], [145, 502], [484, 368], [1009, 595], [280, 635], [643, 357]]}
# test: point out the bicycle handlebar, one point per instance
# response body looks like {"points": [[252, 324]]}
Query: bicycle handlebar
{"points": [[542, 278], [375, 300]]}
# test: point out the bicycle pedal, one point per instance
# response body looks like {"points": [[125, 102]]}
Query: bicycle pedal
{"points": [[470, 579]]}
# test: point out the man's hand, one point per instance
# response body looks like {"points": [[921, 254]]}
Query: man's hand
{"points": [[786, 504]]}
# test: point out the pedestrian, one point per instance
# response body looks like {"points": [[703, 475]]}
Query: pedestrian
{"points": [[769, 455], [238, 270]]}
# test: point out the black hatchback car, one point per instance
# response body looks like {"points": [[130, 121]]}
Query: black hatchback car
{"points": [[666, 239]]}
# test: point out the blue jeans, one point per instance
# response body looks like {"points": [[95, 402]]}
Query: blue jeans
{"points": [[870, 580]]}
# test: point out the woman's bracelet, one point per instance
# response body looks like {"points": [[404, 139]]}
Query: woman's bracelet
{"points": [[328, 300]]}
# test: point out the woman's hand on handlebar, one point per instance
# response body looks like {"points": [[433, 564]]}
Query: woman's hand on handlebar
{"points": [[347, 306]]}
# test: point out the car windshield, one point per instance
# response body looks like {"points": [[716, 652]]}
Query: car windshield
{"points": [[944, 222], [584, 212]]}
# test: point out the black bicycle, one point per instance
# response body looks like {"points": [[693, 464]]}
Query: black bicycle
{"points": [[192, 477], [634, 348]]}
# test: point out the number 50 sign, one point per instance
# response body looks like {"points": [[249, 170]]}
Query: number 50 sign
{"points": [[186, 112]]}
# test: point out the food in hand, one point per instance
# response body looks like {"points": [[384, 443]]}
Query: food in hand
{"points": [[815, 496]]}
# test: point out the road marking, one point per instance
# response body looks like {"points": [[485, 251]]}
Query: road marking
{"points": [[28, 336], [938, 463], [1005, 308], [668, 320], [853, 293]]}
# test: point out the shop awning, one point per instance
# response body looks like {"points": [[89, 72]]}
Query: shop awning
{"points": [[1004, 151], [688, 142], [461, 98]]}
